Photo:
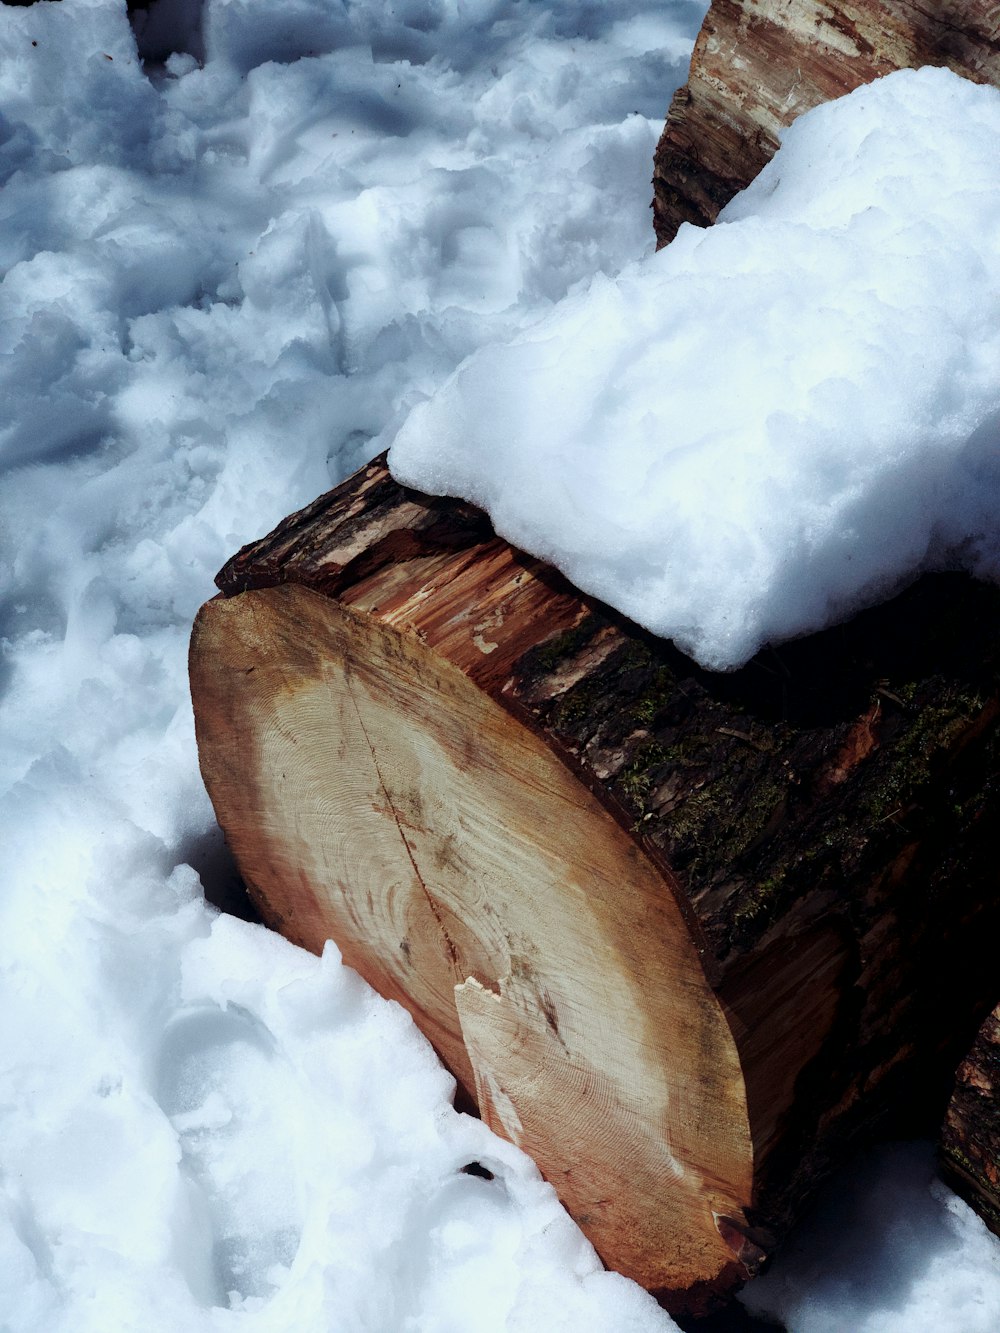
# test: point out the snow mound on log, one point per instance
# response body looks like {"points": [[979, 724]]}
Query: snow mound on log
{"points": [[774, 421]]}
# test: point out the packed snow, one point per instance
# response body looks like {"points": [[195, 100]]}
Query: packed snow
{"points": [[227, 276], [775, 420]]}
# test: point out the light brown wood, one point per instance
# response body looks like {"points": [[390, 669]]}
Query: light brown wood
{"points": [[467, 873]]}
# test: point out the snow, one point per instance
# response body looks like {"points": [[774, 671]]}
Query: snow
{"points": [[889, 1250], [775, 420], [223, 283]]}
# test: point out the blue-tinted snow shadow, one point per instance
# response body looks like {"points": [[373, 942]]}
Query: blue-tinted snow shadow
{"points": [[871, 1234], [594, 19], [415, 32], [30, 607], [736, 1319], [209, 856], [238, 1223], [166, 27]]}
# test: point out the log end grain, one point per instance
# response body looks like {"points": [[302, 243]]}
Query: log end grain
{"points": [[371, 790]]}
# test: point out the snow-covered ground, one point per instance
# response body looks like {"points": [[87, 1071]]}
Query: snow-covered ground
{"points": [[224, 282]]}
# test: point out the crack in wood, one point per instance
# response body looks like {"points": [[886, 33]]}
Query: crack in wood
{"points": [[435, 910]]}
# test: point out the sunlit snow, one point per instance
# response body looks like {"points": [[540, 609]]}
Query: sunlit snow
{"points": [[223, 283], [773, 421]]}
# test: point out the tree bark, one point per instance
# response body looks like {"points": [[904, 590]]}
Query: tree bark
{"points": [[683, 936], [758, 64], [970, 1142]]}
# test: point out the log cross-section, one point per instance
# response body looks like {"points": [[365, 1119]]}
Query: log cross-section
{"points": [[681, 936]]}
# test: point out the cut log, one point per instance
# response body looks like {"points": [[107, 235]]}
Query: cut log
{"points": [[970, 1142], [757, 64], [682, 936]]}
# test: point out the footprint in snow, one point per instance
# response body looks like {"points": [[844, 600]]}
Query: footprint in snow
{"points": [[459, 1254], [226, 1091]]}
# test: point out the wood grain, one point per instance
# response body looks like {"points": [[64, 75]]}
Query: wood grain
{"points": [[467, 873]]}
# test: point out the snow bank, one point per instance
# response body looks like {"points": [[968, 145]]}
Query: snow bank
{"points": [[774, 421]]}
